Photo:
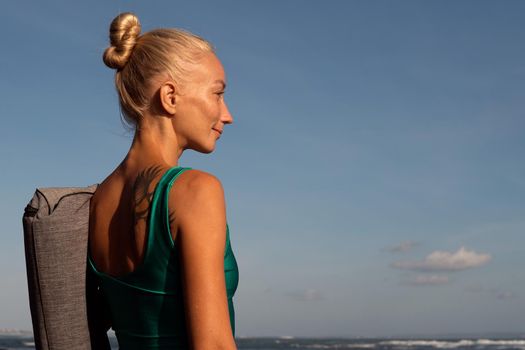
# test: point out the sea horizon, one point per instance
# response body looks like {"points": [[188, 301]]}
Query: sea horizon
{"points": [[457, 335]]}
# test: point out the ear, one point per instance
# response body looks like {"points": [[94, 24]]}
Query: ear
{"points": [[168, 97]]}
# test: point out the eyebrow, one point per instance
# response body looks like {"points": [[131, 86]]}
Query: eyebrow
{"points": [[220, 81]]}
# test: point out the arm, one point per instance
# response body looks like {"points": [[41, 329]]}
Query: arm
{"points": [[201, 229]]}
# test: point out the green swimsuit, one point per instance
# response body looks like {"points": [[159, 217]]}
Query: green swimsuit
{"points": [[146, 305]]}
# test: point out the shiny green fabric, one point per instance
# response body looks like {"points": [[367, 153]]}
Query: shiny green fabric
{"points": [[146, 305]]}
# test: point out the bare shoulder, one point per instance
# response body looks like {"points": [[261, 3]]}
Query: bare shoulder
{"points": [[196, 183], [197, 179], [195, 193]]}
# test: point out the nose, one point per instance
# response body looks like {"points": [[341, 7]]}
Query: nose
{"points": [[226, 116]]}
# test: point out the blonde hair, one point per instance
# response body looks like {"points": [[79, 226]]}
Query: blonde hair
{"points": [[138, 58]]}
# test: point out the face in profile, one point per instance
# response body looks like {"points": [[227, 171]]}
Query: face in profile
{"points": [[201, 111]]}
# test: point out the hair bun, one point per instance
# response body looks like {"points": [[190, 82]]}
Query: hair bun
{"points": [[123, 33]]}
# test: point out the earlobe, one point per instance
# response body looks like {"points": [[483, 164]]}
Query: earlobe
{"points": [[168, 97]]}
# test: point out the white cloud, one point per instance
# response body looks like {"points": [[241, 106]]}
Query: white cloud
{"points": [[428, 280], [402, 247], [306, 295], [445, 261]]}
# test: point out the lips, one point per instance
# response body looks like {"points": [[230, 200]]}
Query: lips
{"points": [[219, 131]]}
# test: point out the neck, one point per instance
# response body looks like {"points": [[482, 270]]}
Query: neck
{"points": [[155, 141]]}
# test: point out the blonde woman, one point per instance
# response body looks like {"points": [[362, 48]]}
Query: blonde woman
{"points": [[159, 243]]}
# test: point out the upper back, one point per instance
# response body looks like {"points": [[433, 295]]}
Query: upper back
{"points": [[120, 208], [118, 218]]}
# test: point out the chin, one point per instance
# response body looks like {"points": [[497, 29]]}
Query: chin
{"points": [[206, 149]]}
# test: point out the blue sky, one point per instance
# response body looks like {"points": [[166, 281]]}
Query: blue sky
{"points": [[374, 173]]}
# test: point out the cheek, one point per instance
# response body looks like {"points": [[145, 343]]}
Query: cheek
{"points": [[203, 108], [211, 108], [208, 106]]}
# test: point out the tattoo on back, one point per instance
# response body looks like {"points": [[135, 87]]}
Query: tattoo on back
{"points": [[143, 193]]}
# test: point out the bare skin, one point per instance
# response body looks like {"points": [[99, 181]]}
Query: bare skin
{"points": [[188, 117]]}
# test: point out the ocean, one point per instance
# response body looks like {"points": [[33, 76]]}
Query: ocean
{"points": [[25, 342]]}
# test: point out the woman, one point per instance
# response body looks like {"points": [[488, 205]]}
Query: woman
{"points": [[159, 241]]}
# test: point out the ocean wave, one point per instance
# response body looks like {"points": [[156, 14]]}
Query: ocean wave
{"points": [[440, 344], [474, 344], [361, 346], [336, 346], [511, 342], [448, 344]]}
